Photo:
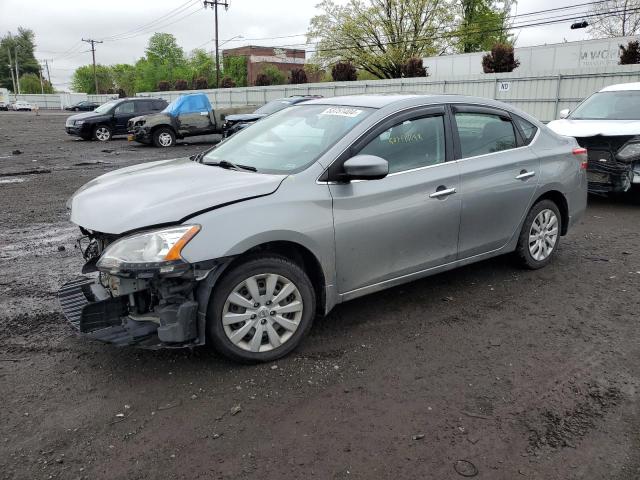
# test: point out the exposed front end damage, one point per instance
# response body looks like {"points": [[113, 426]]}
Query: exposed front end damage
{"points": [[149, 308], [614, 162]]}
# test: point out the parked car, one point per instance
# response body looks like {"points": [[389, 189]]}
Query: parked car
{"points": [[235, 123], [84, 106], [111, 118], [187, 116], [607, 124], [21, 106], [4, 106], [317, 204]]}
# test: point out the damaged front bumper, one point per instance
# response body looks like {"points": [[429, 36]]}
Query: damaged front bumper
{"points": [[148, 313]]}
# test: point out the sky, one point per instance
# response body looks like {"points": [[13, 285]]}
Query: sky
{"points": [[125, 27]]}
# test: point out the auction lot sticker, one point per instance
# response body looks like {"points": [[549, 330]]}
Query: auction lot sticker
{"points": [[342, 111]]}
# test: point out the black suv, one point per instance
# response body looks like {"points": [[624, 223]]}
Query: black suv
{"points": [[111, 118]]}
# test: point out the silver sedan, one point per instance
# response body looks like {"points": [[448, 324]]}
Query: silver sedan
{"points": [[244, 245]]}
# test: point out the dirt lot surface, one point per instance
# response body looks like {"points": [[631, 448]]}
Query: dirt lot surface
{"points": [[489, 369]]}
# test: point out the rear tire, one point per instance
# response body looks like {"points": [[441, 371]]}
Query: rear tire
{"points": [[540, 235], [261, 309], [164, 137]]}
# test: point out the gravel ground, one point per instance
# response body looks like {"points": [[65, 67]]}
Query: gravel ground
{"points": [[489, 369]]}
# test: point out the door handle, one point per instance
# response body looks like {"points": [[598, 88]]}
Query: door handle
{"points": [[442, 192], [524, 175]]}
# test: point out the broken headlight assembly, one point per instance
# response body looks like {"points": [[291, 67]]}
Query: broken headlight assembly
{"points": [[156, 251], [630, 151]]}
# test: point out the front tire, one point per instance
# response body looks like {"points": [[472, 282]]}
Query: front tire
{"points": [[102, 133], [164, 137], [540, 235], [261, 310]]}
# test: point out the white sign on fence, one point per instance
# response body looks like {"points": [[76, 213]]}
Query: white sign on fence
{"points": [[504, 86]]}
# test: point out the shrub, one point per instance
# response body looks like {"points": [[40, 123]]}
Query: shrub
{"points": [[414, 68], [344, 72], [164, 86], [181, 84], [262, 80], [501, 59], [200, 83], [298, 75], [227, 82], [630, 54], [275, 76]]}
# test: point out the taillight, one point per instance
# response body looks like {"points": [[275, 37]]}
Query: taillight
{"points": [[582, 153]]}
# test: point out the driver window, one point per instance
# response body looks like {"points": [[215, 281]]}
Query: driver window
{"points": [[410, 144], [124, 108]]}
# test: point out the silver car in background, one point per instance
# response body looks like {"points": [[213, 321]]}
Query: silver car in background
{"points": [[312, 206]]}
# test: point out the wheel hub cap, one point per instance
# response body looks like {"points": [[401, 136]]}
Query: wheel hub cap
{"points": [[543, 235], [262, 312]]}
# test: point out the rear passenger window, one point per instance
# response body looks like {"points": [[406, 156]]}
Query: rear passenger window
{"points": [[411, 144], [482, 133], [528, 129]]}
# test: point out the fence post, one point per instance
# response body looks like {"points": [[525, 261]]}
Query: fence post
{"points": [[444, 86], [555, 112], [495, 88]]}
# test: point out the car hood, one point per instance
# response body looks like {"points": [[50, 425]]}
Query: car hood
{"points": [[82, 116], [245, 117], [162, 192], [592, 128]]}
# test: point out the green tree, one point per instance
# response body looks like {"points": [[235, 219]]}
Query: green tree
{"points": [[27, 63], [379, 36], [202, 65], [82, 79], [274, 75], [482, 24], [124, 78], [30, 83], [235, 67]]}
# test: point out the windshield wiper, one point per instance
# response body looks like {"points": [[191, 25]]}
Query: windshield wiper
{"points": [[231, 166]]}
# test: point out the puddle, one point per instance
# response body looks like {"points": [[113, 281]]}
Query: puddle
{"points": [[12, 180]]}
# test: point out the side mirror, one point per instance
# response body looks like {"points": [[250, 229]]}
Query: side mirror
{"points": [[565, 113], [365, 167]]}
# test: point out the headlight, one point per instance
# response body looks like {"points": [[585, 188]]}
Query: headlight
{"points": [[79, 122], [154, 250], [629, 152]]}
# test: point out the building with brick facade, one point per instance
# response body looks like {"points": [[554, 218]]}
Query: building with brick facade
{"points": [[284, 59]]}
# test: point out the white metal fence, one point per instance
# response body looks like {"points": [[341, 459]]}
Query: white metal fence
{"points": [[59, 101], [542, 96]]}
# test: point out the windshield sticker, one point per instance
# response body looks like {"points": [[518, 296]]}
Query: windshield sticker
{"points": [[342, 112]]}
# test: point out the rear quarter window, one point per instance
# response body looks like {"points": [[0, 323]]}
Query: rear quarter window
{"points": [[528, 129]]}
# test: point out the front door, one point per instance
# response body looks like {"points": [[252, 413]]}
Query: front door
{"points": [[194, 116], [124, 112], [407, 221], [498, 177]]}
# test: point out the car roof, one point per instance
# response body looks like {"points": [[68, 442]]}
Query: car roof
{"points": [[620, 87]]}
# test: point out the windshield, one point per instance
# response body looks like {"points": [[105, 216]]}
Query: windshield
{"points": [[273, 107], [290, 140], [622, 105], [105, 107]]}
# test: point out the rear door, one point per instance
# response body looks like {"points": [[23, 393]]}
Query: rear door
{"points": [[407, 221], [498, 177]]}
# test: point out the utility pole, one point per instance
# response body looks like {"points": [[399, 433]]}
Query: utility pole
{"points": [[15, 57], [41, 84], [214, 4], [13, 80], [93, 54]]}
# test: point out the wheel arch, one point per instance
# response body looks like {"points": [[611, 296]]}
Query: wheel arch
{"points": [[560, 200]]}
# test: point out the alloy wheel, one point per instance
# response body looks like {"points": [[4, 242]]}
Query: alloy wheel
{"points": [[543, 235], [262, 312], [103, 134]]}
